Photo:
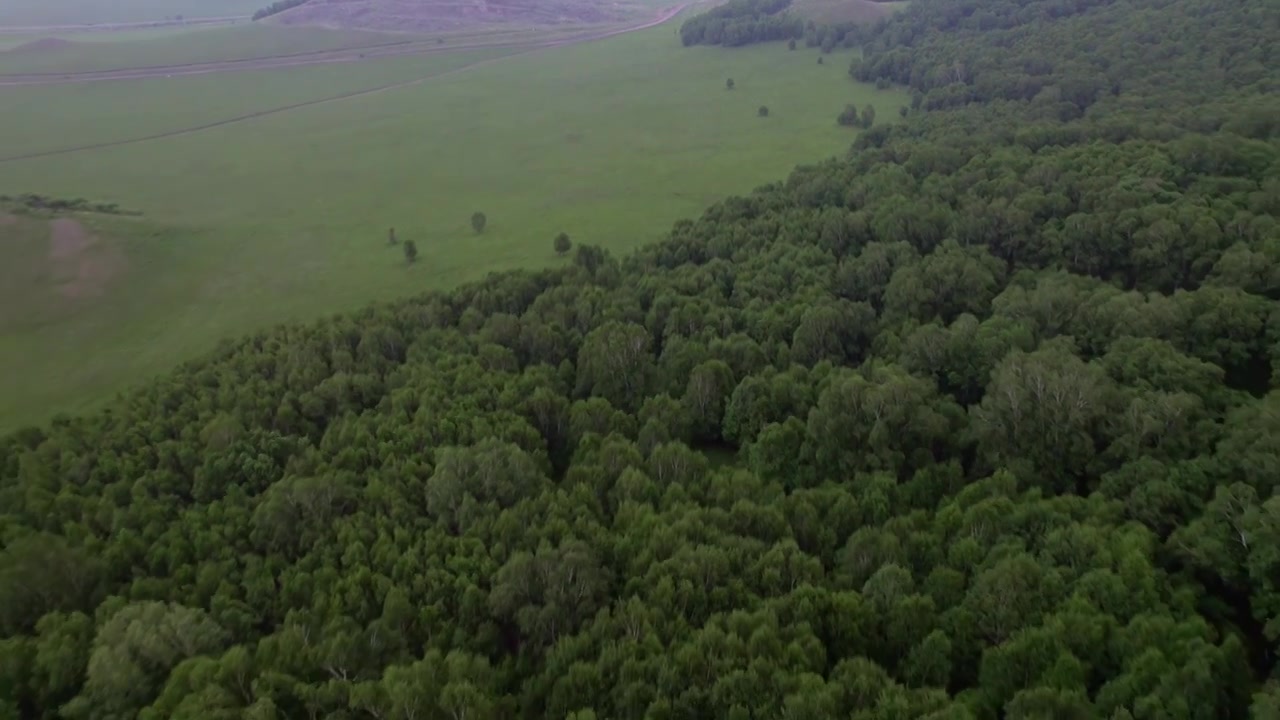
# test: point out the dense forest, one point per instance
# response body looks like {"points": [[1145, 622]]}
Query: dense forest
{"points": [[277, 7], [745, 22], [830, 36], [981, 420], [742, 22]]}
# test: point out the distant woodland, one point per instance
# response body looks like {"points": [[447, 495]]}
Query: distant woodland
{"points": [[745, 22], [742, 22], [277, 7], [981, 420]]}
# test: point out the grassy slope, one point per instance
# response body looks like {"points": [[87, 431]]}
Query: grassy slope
{"points": [[284, 218], [190, 46], [48, 340], [67, 12]]}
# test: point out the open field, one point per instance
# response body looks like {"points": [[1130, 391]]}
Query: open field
{"points": [[60, 12], [450, 15], [173, 46], [12, 38], [284, 217], [52, 118], [260, 46]]}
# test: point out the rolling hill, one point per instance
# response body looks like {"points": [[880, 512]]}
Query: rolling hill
{"points": [[454, 15]]}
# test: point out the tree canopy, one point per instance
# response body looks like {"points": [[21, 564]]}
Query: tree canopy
{"points": [[274, 8], [981, 420], [745, 22], [742, 22]]}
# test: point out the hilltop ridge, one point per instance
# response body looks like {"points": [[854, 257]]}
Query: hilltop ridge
{"points": [[454, 15]]}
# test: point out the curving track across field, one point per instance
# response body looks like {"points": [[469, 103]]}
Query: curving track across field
{"points": [[521, 49], [321, 57]]}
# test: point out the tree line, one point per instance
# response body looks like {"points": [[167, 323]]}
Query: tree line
{"points": [[562, 244], [742, 22], [745, 22], [979, 420], [35, 202], [277, 7]]}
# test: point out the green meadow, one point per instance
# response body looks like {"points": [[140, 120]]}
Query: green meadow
{"points": [[178, 45], [53, 117], [84, 12], [92, 38], [284, 217]]}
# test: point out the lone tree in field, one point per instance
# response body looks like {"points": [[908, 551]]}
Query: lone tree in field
{"points": [[410, 251], [728, 84], [820, 60], [763, 111], [868, 116], [391, 237], [849, 117], [478, 221], [563, 244], [791, 44]]}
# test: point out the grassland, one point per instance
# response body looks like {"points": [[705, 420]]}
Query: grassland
{"points": [[67, 12], [284, 217], [172, 46], [15, 39], [51, 117], [430, 16]]}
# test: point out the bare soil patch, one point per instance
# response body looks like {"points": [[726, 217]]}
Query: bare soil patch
{"points": [[83, 266], [6, 219]]}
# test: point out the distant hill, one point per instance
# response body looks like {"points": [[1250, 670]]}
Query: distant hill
{"points": [[447, 15]]}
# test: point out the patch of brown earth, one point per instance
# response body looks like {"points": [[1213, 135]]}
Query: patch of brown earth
{"points": [[82, 265], [6, 219]]}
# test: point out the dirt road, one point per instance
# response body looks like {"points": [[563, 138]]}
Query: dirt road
{"points": [[525, 50], [323, 57]]}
